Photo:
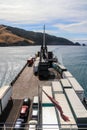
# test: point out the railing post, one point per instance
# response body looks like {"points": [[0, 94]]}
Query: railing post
{"points": [[4, 127]]}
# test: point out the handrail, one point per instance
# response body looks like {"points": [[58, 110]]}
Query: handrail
{"points": [[7, 125]]}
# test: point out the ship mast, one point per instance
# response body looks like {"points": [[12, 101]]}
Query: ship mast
{"points": [[44, 44]]}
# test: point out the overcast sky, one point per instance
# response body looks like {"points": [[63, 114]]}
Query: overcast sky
{"points": [[63, 18]]}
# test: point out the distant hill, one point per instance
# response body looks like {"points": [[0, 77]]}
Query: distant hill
{"points": [[11, 36]]}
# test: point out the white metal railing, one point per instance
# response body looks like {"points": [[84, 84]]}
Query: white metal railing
{"points": [[10, 126]]}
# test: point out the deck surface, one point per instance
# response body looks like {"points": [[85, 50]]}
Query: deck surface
{"points": [[27, 83]]}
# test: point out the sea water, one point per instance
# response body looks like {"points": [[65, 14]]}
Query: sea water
{"points": [[74, 58]]}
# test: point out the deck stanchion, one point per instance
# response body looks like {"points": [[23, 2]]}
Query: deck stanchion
{"points": [[4, 127]]}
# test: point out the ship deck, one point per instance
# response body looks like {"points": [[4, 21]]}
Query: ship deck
{"points": [[27, 84]]}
